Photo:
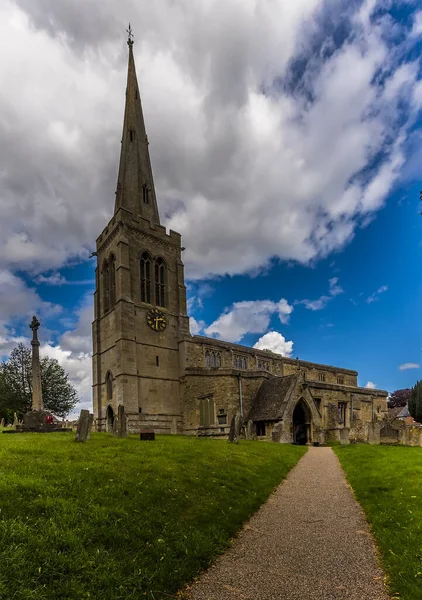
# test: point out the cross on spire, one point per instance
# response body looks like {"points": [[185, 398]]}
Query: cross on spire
{"points": [[130, 36]]}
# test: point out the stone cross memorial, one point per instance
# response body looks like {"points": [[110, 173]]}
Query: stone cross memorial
{"points": [[37, 403]]}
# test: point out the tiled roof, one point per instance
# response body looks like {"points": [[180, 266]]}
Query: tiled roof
{"points": [[271, 398]]}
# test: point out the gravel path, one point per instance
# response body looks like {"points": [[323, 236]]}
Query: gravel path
{"points": [[310, 541]]}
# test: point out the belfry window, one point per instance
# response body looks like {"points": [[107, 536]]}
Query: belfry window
{"points": [[160, 282], [112, 285], [321, 377], [146, 277], [106, 286]]}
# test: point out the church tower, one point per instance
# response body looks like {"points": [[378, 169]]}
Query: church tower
{"points": [[140, 318]]}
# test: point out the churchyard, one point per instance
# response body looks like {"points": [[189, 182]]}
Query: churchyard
{"points": [[117, 518], [387, 482]]}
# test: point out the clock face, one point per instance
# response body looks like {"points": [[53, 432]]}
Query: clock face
{"points": [[156, 319]]}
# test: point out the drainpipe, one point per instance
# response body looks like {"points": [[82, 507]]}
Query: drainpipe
{"points": [[239, 378]]}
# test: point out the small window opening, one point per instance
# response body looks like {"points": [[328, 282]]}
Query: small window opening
{"points": [[260, 428], [131, 135], [157, 361], [321, 376], [145, 193], [139, 410]]}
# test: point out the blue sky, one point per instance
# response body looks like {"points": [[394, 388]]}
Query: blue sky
{"points": [[289, 158]]}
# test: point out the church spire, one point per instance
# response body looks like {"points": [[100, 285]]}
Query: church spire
{"points": [[135, 184]]}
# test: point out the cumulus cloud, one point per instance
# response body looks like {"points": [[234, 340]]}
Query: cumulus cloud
{"points": [[249, 316], [409, 365], [18, 301], [375, 295], [276, 342], [269, 147], [196, 327], [371, 385]]}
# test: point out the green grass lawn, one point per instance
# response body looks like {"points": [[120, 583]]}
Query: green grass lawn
{"points": [[124, 519], [387, 481]]}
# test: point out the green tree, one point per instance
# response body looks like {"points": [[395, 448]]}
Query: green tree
{"points": [[59, 395], [415, 402]]}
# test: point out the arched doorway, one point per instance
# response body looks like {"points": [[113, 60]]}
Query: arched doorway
{"points": [[301, 424], [110, 418]]}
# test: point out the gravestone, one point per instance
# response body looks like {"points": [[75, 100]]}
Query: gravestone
{"points": [[173, 429], [15, 420], [84, 426], [344, 435], [389, 434], [121, 426], [2, 423], [232, 431], [249, 430], [235, 428], [147, 435]]}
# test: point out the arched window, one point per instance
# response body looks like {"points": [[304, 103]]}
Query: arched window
{"points": [[146, 277], [244, 363], [112, 285], [217, 360], [207, 359], [109, 386], [106, 286], [160, 282], [212, 359], [234, 362]]}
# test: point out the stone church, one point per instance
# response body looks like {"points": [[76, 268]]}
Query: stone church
{"points": [[145, 358]]}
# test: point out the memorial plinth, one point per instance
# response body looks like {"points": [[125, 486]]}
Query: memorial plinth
{"points": [[37, 420]]}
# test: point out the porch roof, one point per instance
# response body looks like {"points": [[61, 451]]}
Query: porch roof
{"points": [[271, 398]]}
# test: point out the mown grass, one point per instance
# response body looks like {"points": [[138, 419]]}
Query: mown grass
{"points": [[387, 481], [124, 519]]}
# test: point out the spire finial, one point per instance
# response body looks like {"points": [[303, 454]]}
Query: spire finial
{"points": [[130, 36]]}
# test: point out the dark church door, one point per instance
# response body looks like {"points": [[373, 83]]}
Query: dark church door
{"points": [[110, 418], [301, 425]]}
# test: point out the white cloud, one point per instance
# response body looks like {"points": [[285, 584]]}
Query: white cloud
{"points": [[409, 365], [334, 290], [417, 24], [371, 385], [276, 342], [375, 295], [247, 165], [57, 278], [249, 316], [196, 327], [18, 301]]}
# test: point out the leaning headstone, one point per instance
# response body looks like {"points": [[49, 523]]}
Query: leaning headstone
{"points": [[121, 426], [232, 431], [2, 423], [238, 422], [15, 420], [84, 426]]}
